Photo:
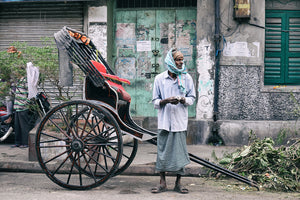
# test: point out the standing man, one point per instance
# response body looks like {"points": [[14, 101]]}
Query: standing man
{"points": [[173, 92]]}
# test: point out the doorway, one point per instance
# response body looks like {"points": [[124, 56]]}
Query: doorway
{"points": [[141, 42]]}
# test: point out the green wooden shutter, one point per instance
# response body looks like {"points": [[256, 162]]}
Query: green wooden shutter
{"points": [[293, 49], [282, 48], [274, 57]]}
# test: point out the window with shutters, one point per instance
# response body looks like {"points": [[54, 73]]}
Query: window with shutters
{"points": [[282, 48]]}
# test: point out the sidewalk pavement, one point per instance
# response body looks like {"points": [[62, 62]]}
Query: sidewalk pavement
{"points": [[17, 159]]}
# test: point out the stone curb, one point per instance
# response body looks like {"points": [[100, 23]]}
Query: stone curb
{"points": [[141, 169]]}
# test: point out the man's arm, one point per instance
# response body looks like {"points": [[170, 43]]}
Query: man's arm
{"points": [[191, 93]]}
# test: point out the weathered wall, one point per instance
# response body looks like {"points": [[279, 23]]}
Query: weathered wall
{"points": [[243, 44], [236, 132], [245, 103], [205, 59], [199, 129], [286, 4], [97, 25], [241, 96]]}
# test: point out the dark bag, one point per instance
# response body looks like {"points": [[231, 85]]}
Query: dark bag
{"points": [[43, 102]]}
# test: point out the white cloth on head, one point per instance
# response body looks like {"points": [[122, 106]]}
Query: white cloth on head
{"points": [[171, 66]]}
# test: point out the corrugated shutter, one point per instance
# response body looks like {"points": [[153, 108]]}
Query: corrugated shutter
{"points": [[28, 22], [282, 48]]}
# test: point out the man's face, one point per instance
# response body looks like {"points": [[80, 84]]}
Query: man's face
{"points": [[179, 62]]}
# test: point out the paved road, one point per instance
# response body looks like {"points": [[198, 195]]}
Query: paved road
{"points": [[31, 186]]}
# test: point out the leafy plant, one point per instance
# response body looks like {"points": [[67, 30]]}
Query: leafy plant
{"points": [[45, 57], [12, 68], [272, 168]]}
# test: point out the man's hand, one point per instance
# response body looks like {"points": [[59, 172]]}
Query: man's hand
{"points": [[182, 100], [172, 100]]}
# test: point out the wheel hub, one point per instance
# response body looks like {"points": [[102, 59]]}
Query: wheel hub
{"points": [[77, 145]]}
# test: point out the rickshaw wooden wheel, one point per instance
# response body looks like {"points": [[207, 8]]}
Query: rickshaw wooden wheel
{"points": [[129, 151], [79, 145]]}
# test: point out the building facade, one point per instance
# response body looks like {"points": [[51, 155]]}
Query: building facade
{"points": [[244, 56]]}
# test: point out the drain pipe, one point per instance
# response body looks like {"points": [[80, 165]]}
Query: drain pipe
{"points": [[217, 38], [215, 138]]}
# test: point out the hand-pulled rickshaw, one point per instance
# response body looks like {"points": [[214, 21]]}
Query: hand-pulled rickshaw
{"points": [[80, 144]]}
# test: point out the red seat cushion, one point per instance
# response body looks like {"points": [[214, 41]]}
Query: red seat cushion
{"points": [[102, 69], [121, 91], [99, 66]]}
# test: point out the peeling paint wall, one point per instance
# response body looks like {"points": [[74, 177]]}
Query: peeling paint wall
{"points": [[243, 94], [242, 44], [125, 43], [243, 97], [205, 67], [142, 40], [245, 103], [205, 61], [97, 28]]}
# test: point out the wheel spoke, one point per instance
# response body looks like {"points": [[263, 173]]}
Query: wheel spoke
{"points": [[51, 136], [79, 145], [62, 131], [99, 136], [54, 146], [93, 154], [98, 120], [66, 123], [71, 170], [64, 161], [92, 129], [108, 152], [105, 157], [113, 148], [86, 121], [80, 173], [59, 155], [52, 141], [88, 165], [76, 131], [98, 157], [103, 154]]}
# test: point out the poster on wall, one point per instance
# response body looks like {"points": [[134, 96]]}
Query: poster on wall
{"points": [[143, 45], [243, 49]]}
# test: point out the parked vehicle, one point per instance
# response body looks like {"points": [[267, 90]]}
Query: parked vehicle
{"points": [[6, 129]]}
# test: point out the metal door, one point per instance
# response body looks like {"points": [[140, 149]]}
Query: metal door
{"points": [[142, 40], [31, 21]]}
